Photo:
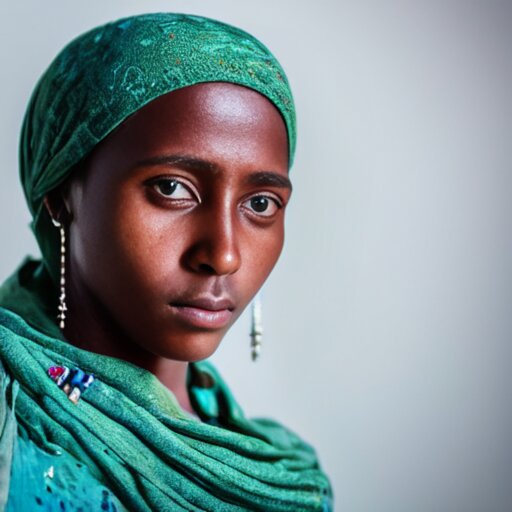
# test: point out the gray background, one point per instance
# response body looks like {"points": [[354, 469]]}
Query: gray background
{"points": [[388, 318]]}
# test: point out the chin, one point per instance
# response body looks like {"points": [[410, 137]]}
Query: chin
{"points": [[191, 348]]}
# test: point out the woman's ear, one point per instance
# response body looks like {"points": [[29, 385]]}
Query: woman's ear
{"points": [[57, 204]]}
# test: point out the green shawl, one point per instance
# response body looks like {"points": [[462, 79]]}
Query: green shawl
{"points": [[129, 430]]}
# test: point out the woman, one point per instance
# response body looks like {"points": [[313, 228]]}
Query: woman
{"points": [[154, 158]]}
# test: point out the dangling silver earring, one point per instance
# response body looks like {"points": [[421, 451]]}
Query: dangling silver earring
{"points": [[256, 328], [62, 299]]}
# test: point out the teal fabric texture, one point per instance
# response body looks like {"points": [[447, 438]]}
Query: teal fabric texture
{"points": [[130, 432]]}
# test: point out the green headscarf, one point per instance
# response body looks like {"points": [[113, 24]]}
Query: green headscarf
{"points": [[107, 74]]}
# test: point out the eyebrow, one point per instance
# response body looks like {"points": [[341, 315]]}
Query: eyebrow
{"points": [[270, 179], [188, 162]]}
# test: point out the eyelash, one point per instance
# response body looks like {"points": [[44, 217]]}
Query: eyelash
{"points": [[266, 196], [156, 184]]}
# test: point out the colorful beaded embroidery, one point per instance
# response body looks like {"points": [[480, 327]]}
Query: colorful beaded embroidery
{"points": [[72, 382]]}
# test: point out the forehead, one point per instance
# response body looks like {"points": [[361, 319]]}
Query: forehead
{"points": [[213, 121]]}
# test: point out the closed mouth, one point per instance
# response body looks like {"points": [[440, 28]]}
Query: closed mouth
{"points": [[204, 312], [206, 303]]}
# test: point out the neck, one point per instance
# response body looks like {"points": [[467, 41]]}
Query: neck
{"points": [[89, 329]]}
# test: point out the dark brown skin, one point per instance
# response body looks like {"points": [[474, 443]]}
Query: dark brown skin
{"points": [[174, 224]]}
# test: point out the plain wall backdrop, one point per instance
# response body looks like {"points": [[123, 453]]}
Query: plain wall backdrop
{"points": [[388, 319]]}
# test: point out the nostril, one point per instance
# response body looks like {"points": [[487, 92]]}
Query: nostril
{"points": [[206, 269]]}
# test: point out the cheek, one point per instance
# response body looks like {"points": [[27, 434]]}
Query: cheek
{"points": [[124, 247], [148, 246], [261, 253]]}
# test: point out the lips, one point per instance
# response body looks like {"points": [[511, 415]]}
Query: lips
{"points": [[204, 312]]}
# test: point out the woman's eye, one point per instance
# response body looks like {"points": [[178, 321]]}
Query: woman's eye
{"points": [[173, 189], [265, 206]]}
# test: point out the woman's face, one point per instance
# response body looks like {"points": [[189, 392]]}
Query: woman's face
{"points": [[178, 217]]}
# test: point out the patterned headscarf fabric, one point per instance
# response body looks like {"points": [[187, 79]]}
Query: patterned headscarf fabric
{"points": [[107, 74]]}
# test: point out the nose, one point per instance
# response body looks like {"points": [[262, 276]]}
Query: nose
{"points": [[215, 245]]}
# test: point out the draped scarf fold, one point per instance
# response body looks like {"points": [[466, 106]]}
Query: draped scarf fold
{"points": [[131, 433]]}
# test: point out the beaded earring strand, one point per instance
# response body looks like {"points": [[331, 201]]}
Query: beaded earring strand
{"points": [[62, 298], [256, 328]]}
